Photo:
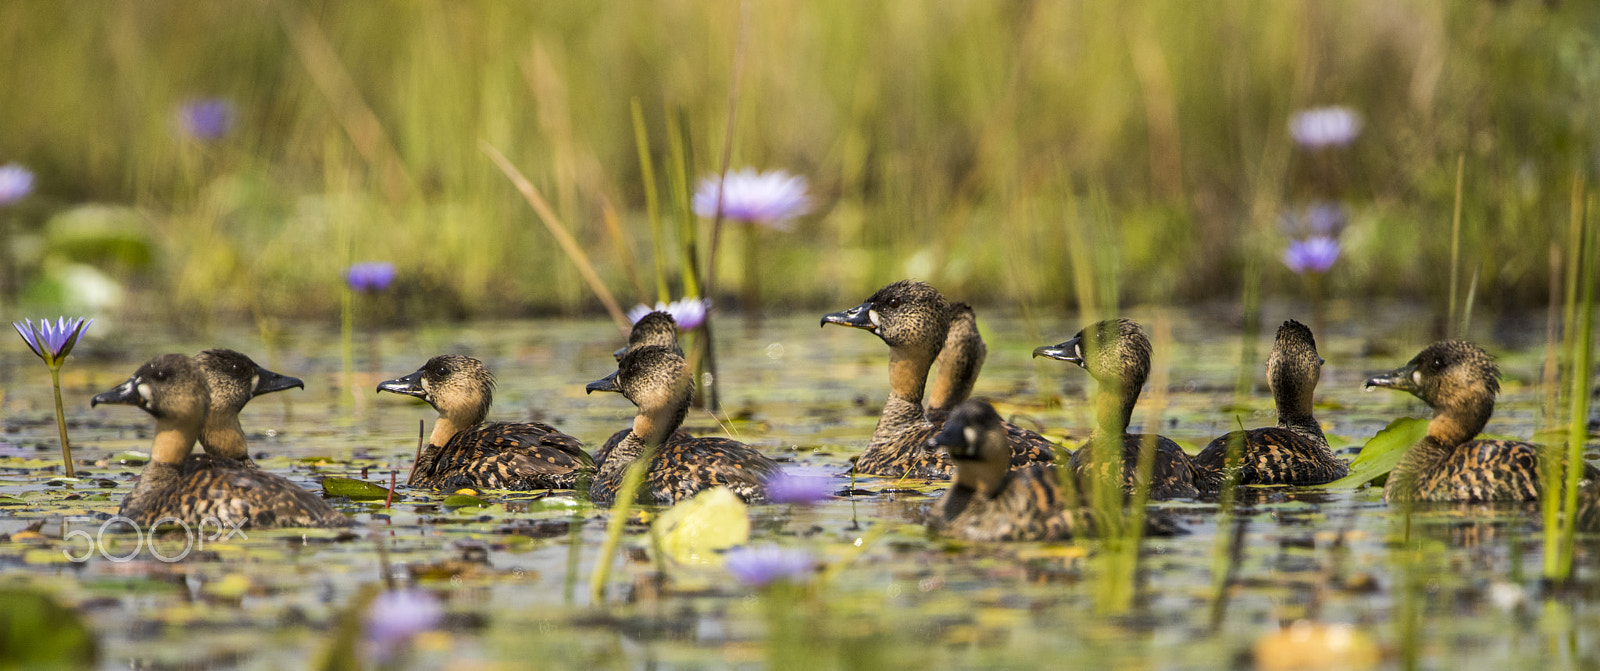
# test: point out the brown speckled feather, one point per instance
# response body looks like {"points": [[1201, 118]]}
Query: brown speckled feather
{"points": [[226, 490], [504, 455], [616, 438], [1273, 456], [1172, 475]]}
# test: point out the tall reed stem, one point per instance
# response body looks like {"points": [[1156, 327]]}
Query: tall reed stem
{"points": [[621, 507], [61, 422]]}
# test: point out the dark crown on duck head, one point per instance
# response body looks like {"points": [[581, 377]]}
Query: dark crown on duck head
{"points": [[656, 329], [169, 386], [455, 385], [1114, 349], [234, 378], [1294, 363], [905, 313], [969, 428], [1447, 375], [647, 376]]}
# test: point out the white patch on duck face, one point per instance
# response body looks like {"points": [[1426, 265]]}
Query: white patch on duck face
{"points": [[1416, 376], [970, 434], [254, 380], [427, 390], [144, 391], [873, 316]]}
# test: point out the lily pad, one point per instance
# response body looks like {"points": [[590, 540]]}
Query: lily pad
{"points": [[463, 500], [355, 490], [692, 531], [1382, 452]]}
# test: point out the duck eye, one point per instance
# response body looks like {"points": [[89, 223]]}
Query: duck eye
{"points": [[894, 302], [1438, 362]]}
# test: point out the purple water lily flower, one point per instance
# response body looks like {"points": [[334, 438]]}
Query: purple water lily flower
{"points": [[762, 566], [1325, 219], [16, 182], [394, 617], [688, 312], [794, 488], [1325, 127], [370, 275], [206, 119], [1314, 254], [769, 199], [52, 342]]}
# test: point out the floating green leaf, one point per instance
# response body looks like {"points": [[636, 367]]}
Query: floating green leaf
{"points": [[692, 531], [355, 490], [1382, 452], [462, 501]]}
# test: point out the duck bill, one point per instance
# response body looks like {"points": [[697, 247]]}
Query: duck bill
{"points": [[607, 383], [859, 317], [126, 393], [268, 382], [1403, 378], [1067, 351], [410, 385], [954, 439]]}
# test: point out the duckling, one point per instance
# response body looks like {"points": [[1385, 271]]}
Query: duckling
{"points": [[658, 381], [1459, 380], [913, 319], [234, 379], [959, 362], [1294, 452], [990, 501], [656, 329], [172, 388], [1117, 355], [465, 452]]}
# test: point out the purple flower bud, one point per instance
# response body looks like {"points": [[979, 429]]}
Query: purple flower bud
{"points": [[206, 119], [1315, 254], [52, 342], [370, 276], [1325, 127], [16, 182], [761, 566], [770, 199]]}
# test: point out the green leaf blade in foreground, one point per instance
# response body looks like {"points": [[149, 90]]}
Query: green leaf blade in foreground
{"points": [[1382, 452], [353, 489]]}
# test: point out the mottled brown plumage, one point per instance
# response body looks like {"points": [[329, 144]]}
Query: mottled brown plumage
{"points": [[655, 329], [658, 381], [466, 452], [913, 319], [1459, 381], [1294, 452], [959, 363], [1116, 353], [990, 501], [234, 379], [177, 487]]}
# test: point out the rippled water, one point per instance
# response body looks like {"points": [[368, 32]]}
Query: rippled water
{"points": [[1456, 586]]}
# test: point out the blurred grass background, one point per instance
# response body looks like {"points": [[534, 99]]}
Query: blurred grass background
{"points": [[960, 142]]}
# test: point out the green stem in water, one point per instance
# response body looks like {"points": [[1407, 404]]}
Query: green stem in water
{"points": [[61, 422], [347, 355], [620, 508]]}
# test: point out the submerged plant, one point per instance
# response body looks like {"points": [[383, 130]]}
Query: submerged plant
{"points": [[16, 182], [52, 343]]}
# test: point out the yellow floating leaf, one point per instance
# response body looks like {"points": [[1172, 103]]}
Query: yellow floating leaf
{"points": [[1314, 645], [692, 531], [231, 586]]}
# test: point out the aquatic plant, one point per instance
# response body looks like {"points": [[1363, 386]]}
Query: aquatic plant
{"points": [[16, 182], [394, 617], [52, 343], [1315, 254], [206, 119], [1322, 127], [768, 564], [370, 276], [689, 313], [787, 487], [771, 199]]}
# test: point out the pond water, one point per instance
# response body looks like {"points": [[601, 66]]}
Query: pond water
{"points": [[1453, 587]]}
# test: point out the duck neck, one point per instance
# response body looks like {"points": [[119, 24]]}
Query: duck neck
{"points": [[223, 436], [1453, 426], [959, 364], [1113, 405], [1294, 413], [908, 376], [651, 429], [445, 429], [172, 445]]}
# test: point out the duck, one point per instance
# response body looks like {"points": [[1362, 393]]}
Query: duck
{"points": [[1294, 452], [989, 501], [1116, 353], [658, 329], [657, 380], [1459, 380], [234, 379], [464, 451], [178, 488], [959, 362], [913, 319]]}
